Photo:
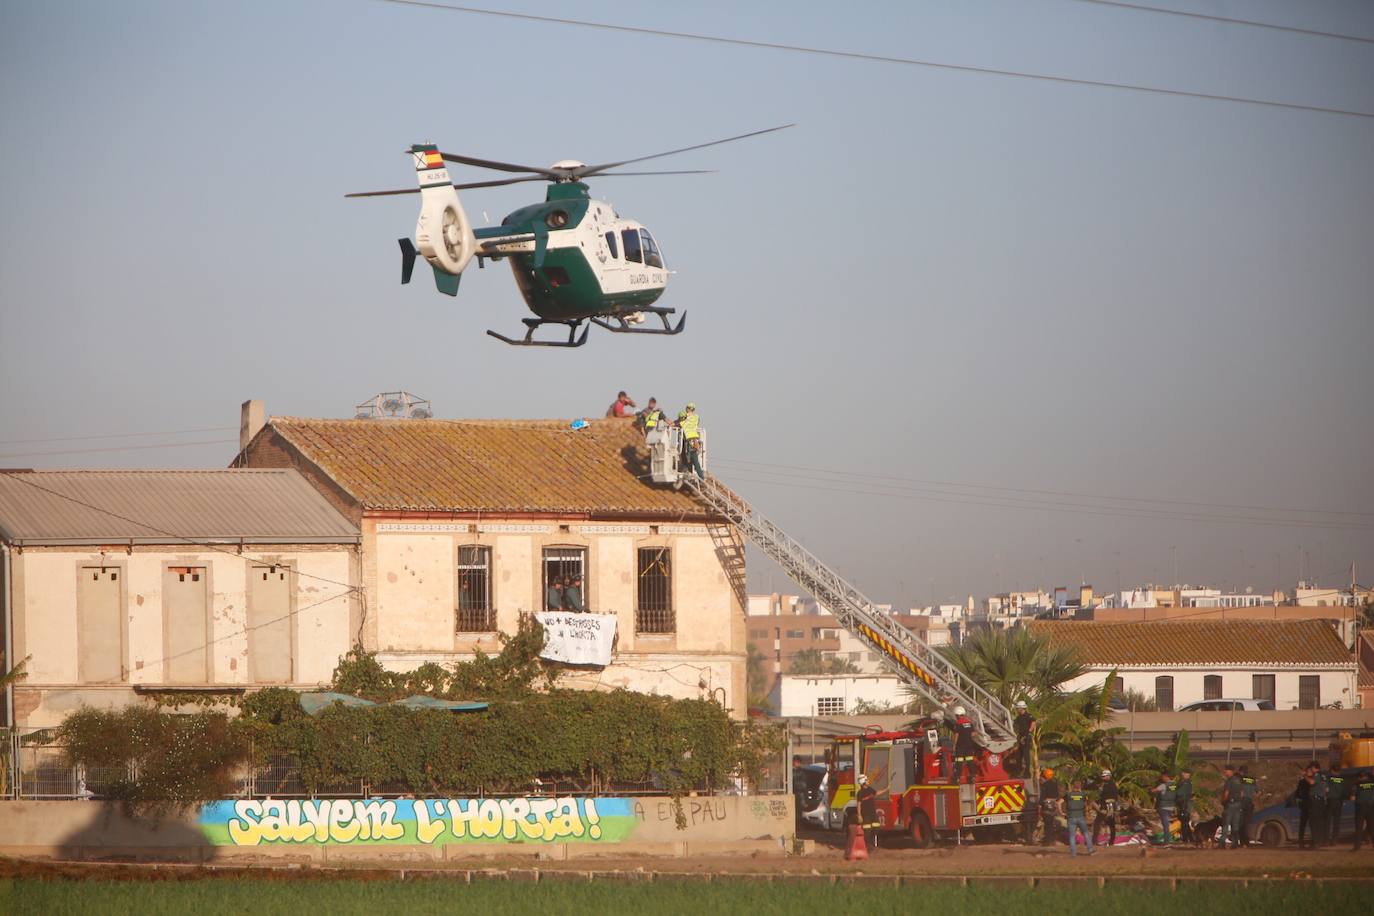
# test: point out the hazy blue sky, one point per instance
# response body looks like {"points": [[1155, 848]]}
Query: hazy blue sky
{"points": [[936, 278]]}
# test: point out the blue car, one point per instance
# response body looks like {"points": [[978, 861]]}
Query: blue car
{"points": [[1278, 824]]}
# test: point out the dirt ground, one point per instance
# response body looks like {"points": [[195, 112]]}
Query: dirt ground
{"points": [[1004, 860]]}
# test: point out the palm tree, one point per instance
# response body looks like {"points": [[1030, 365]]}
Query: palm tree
{"points": [[1015, 664]]}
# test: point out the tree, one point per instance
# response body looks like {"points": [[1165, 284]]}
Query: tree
{"points": [[1015, 664], [756, 678], [811, 661]]}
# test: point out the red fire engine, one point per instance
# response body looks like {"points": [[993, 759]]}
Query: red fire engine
{"points": [[917, 794]]}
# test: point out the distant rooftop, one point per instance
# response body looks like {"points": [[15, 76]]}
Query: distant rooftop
{"points": [[1285, 643], [166, 507]]}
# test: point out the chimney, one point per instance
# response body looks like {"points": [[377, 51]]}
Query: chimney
{"points": [[252, 418]]}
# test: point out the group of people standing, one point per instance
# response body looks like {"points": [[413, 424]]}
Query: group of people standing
{"points": [[1321, 794], [565, 594], [652, 418], [1173, 799]]}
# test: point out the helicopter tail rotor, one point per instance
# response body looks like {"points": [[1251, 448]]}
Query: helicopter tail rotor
{"points": [[443, 233]]}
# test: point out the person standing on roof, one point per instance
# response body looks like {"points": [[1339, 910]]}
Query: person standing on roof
{"points": [[620, 407], [650, 417], [964, 747], [691, 438]]}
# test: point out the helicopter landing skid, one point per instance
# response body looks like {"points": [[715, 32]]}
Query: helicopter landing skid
{"points": [[622, 326], [532, 324]]}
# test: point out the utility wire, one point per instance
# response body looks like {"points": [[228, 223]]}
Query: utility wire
{"points": [[1072, 508], [22, 477], [169, 432], [878, 58], [116, 448], [978, 486], [1228, 20]]}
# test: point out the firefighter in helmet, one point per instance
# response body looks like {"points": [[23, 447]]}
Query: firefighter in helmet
{"points": [[868, 811], [1049, 805], [964, 748]]}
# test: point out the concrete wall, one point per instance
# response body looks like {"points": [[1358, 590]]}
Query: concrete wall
{"points": [[46, 620], [413, 617], [310, 830], [1236, 683], [801, 695]]}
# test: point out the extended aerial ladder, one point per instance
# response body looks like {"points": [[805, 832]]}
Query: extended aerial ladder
{"points": [[925, 670]]}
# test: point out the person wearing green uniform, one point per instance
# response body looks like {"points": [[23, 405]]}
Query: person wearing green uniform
{"points": [[1364, 808], [1337, 791], [1185, 806], [1076, 812], [1231, 808], [1166, 800], [1248, 787]]}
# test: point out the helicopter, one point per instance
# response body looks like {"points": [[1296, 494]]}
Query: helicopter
{"points": [[575, 259]]}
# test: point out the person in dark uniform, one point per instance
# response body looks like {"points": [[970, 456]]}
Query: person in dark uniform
{"points": [[1185, 806], [1231, 808], [1024, 725], [1166, 800], [1049, 805], [1337, 791], [1108, 800], [1248, 787], [1302, 795], [964, 747], [1318, 796], [1364, 808], [1076, 813], [868, 812]]}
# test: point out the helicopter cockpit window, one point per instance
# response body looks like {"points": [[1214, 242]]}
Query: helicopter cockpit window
{"points": [[651, 255], [610, 243], [631, 237]]}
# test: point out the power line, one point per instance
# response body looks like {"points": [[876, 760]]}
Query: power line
{"points": [[1072, 508], [169, 432], [1069, 493], [116, 448], [1228, 20], [877, 58]]}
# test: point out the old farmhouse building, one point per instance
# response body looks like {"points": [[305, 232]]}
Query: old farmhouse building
{"points": [[1295, 664], [466, 524], [120, 583]]}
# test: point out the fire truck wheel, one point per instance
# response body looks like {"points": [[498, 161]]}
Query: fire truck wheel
{"points": [[919, 830]]}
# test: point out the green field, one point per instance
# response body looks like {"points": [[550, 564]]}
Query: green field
{"points": [[499, 898]]}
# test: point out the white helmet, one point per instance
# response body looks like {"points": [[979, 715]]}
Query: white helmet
{"points": [[1020, 704], [959, 711], [863, 780]]}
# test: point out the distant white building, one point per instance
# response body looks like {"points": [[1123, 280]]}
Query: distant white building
{"points": [[836, 695]]}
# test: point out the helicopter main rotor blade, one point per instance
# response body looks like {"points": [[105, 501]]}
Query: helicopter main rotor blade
{"points": [[460, 187], [589, 170], [498, 166], [678, 172]]}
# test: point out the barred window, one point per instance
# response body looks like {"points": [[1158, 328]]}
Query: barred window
{"points": [[476, 614], [564, 586], [1309, 691], [830, 706], [654, 607], [1211, 687], [1164, 693]]}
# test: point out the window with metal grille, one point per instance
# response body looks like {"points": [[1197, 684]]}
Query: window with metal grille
{"points": [[564, 586], [830, 706], [1262, 687], [1164, 693], [475, 611], [654, 607], [1211, 687], [1309, 691]]}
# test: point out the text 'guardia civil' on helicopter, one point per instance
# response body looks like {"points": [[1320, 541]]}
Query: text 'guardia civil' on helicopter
{"points": [[575, 259]]}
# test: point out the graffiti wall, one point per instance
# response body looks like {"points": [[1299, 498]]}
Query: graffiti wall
{"points": [[427, 822]]}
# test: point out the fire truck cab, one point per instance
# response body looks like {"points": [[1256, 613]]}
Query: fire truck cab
{"points": [[912, 772]]}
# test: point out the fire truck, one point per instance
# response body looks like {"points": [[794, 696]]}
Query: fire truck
{"points": [[911, 770]]}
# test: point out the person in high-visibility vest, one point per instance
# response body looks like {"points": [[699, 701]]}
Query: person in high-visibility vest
{"points": [[649, 418], [691, 438]]}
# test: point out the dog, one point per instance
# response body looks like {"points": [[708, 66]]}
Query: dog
{"points": [[1205, 832]]}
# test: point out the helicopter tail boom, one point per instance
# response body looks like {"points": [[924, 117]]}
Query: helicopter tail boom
{"points": [[443, 233]]}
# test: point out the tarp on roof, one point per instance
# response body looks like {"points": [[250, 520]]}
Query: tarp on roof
{"points": [[250, 506]]}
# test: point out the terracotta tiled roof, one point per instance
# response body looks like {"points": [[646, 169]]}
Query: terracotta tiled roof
{"points": [[1202, 642], [536, 466]]}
